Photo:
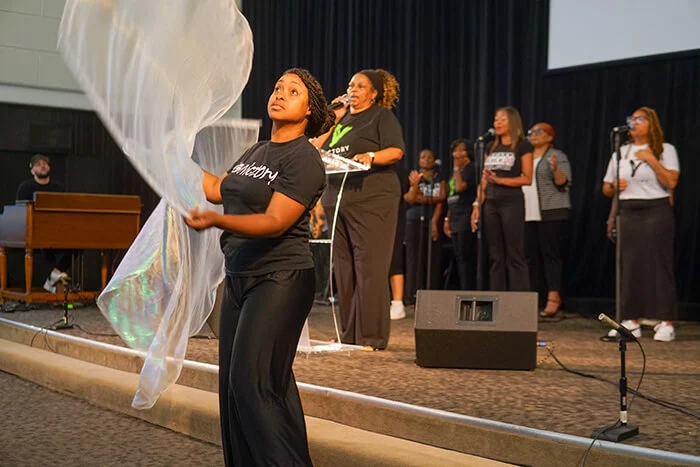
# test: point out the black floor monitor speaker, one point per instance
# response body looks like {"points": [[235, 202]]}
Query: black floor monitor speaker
{"points": [[478, 330]]}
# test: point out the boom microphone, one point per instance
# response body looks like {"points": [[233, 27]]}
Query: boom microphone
{"points": [[490, 133], [623, 128], [616, 326]]}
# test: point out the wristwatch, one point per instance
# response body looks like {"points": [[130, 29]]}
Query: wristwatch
{"points": [[371, 158]]}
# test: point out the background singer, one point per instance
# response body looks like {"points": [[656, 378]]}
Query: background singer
{"points": [[649, 172]]}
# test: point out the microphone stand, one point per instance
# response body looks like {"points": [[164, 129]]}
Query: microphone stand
{"points": [[479, 169], [63, 323], [618, 239], [428, 208], [622, 431]]}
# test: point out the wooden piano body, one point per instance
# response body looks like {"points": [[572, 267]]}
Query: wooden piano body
{"points": [[65, 221]]}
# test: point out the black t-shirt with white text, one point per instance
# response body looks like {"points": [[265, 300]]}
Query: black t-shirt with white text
{"points": [[27, 188], [293, 168], [371, 130], [506, 163]]}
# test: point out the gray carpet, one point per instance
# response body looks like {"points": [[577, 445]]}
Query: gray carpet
{"points": [[41, 427], [547, 398]]}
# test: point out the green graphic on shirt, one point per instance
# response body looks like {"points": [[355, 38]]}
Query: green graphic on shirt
{"points": [[338, 132], [452, 187]]}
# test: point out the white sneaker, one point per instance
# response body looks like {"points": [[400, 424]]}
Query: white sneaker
{"points": [[632, 325], [48, 286], [57, 276], [54, 278], [397, 310], [664, 332]]}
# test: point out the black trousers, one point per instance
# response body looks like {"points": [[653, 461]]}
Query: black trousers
{"points": [[464, 250], [648, 282], [543, 250], [262, 422], [362, 251], [418, 236], [504, 228]]}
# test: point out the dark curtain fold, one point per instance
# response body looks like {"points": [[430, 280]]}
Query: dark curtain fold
{"points": [[84, 157], [87, 160], [457, 61]]}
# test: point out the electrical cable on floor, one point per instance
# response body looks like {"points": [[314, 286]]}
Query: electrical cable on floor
{"points": [[582, 461], [45, 331], [31, 343], [634, 392], [46, 341], [11, 307], [549, 349], [101, 334]]}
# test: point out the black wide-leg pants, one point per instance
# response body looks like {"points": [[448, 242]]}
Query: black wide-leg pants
{"points": [[543, 240], [262, 422], [363, 245], [418, 234], [504, 226], [464, 245]]}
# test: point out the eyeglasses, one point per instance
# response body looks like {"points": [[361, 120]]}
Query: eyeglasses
{"points": [[637, 120], [535, 131]]}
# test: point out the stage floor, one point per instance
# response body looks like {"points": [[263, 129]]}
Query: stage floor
{"points": [[547, 398]]}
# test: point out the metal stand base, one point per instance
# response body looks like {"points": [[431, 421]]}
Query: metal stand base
{"points": [[61, 326], [617, 434]]}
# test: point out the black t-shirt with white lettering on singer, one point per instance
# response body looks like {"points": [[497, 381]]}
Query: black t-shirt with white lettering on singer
{"points": [[293, 168], [506, 163]]}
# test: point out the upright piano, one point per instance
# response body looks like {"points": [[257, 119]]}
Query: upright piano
{"points": [[65, 221]]}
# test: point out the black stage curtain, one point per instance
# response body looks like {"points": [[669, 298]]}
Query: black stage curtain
{"points": [[457, 61], [84, 157]]}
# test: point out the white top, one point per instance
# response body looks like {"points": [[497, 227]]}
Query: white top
{"points": [[532, 198], [641, 178]]}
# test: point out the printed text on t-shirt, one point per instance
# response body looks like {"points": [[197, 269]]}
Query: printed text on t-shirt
{"points": [[255, 171], [500, 161]]}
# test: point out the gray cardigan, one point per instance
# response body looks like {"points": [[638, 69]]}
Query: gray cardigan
{"points": [[555, 203]]}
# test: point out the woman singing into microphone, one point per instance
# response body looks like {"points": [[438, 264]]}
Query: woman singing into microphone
{"points": [[366, 131], [648, 175], [507, 168]]}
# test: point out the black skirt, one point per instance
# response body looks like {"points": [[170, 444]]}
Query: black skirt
{"points": [[647, 277]]}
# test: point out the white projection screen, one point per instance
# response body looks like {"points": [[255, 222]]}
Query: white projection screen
{"points": [[584, 32]]}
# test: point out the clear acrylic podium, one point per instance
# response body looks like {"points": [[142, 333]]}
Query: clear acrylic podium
{"points": [[336, 166]]}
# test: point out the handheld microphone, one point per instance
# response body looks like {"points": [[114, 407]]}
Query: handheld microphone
{"points": [[623, 128], [340, 103], [490, 133], [616, 326]]}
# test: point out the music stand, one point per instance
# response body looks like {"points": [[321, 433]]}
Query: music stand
{"points": [[335, 166]]}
